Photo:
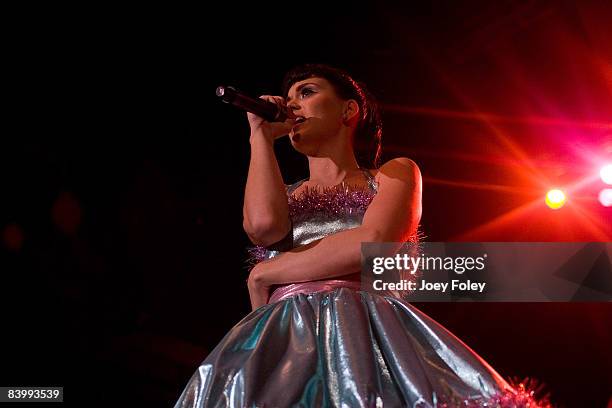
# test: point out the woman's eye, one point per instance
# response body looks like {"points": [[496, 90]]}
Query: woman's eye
{"points": [[305, 92]]}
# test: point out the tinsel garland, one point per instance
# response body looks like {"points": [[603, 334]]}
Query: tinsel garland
{"points": [[522, 395], [327, 202], [333, 202]]}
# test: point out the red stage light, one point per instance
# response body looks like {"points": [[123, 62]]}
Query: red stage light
{"points": [[555, 199]]}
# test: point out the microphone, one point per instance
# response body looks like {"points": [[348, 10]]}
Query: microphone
{"points": [[264, 109]]}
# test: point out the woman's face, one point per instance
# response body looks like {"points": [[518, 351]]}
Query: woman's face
{"points": [[314, 100]]}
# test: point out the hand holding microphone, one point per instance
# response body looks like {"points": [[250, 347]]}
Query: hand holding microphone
{"points": [[267, 114]]}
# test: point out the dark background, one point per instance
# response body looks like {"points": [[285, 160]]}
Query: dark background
{"points": [[123, 256]]}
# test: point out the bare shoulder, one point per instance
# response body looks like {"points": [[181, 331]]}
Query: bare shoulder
{"points": [[399, 169]]}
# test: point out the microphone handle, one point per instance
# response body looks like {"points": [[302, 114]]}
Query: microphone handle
{"points": [[267, 110]]}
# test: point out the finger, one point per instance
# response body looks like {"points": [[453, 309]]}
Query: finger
{"points": [[271, 98], [280, 102]]}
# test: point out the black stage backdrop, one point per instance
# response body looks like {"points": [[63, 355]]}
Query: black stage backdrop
{"points": [[123, 257]]}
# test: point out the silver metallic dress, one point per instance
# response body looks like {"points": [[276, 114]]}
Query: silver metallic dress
{"points": [[328, 344]]}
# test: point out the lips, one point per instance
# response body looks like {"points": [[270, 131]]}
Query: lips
{"points": [[299, 121]]}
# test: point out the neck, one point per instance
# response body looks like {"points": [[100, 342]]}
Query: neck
{"points": [[334, 161], [328, 171]]}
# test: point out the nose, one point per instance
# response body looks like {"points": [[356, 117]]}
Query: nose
{"points": [[293, 106]]}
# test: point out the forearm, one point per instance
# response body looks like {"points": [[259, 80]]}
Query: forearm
{"points": [[265, 201], [335, 255]]}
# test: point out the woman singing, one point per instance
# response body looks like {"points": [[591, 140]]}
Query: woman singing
{"points": [[314, 339]]}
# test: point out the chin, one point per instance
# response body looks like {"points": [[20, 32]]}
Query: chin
{"points": [[297, 139], [295, 142], [301, 147]]}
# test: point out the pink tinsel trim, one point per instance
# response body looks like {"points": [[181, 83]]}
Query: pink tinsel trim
{"points": [[329, 202], [522, 395], [336, 201], [256, 254]]}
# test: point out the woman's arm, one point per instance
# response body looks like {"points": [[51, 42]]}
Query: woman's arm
{"points": [[392, 216], [265, 211]]}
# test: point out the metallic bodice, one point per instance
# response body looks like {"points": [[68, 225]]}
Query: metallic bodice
{"points": [[317, 213]]}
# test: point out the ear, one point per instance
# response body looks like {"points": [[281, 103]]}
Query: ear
{"points": [[351, 110]]}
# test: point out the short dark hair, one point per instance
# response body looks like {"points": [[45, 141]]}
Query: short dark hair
{"points": [[368, 135]]}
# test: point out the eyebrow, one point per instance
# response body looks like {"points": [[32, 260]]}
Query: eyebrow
{"points": [[299, 88]]}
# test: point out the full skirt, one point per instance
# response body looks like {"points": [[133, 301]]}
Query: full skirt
{"points": [[341, 348]]}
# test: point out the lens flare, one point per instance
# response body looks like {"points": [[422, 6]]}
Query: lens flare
{"points": [[605, 197], [606, 173], [555, 199]]}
